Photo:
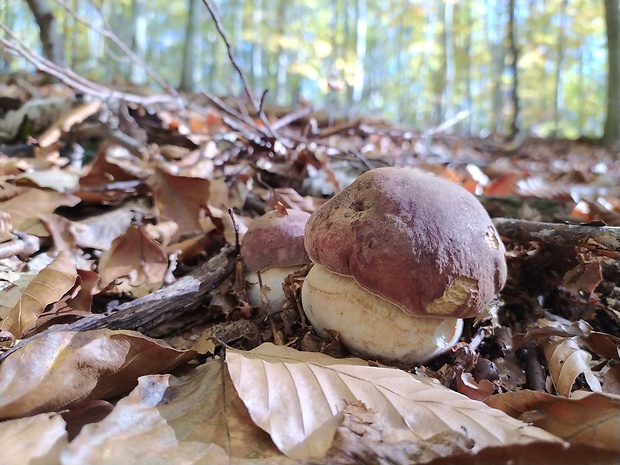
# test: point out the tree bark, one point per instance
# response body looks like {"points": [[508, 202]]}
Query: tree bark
{"points": [[139, 39], [187, 70], [611, 132], [53, 46], [514, 52], [558, 69], [450, 66]]}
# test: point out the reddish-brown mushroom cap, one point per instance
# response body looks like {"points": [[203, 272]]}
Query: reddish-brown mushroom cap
{"points": [[275, 239], [420, 242]]}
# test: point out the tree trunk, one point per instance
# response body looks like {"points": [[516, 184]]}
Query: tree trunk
{"points": [[611, 132], [187, 71], [558, 69], [53, 46], [448, 36], [514, 53], [139, 39], [257, 48], [360, 49]]}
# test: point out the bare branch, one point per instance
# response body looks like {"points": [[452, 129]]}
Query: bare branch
{"points": [[65, 75], [109, 34], [256, 105]]}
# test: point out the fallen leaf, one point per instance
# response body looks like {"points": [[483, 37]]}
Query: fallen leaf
{"points": [[593, 419], [58, 180], [298, 398], [59, 369], [26, 208], [85, 413], [359, 440], [67, 121], [537, 453], [193, 419], [33, 440], [136, 255], [180, 199], [48, 287], [566, 360]]}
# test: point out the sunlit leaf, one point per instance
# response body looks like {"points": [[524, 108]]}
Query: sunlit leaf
{"points": [[59, 369], [298, 398], [33, 440], [193, 419], [50, 284]]}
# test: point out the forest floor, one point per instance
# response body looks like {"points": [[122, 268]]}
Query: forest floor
{"points": [[119, 234]]}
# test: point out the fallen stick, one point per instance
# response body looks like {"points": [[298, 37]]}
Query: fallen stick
{"points": [[604, 240], [169, 303]]}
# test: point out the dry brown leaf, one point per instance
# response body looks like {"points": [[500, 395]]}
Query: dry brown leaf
{"points": [[359, 439], [26, 208], [33, 440], [58, 180], [566, 360], [298, 398], [67, 121], [48, 287], [180, 199], [194, 419], [542, 453], [99, 231], [60, 369], [593, 419], [136, 255]]}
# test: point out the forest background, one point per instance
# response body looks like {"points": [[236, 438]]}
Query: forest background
{"points": [[492, 65]]}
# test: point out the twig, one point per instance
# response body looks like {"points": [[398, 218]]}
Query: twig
{"points": [[257, 106], [604, 240], [70, 78], [533, 369], [108, 33], [291, 117], [152, 312]]}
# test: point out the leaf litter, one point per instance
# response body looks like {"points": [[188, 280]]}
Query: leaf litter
{"points": [[158, 199]]}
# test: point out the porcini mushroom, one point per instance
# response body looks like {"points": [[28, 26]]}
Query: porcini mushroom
{"points": [[274, 247], [400, 258]]}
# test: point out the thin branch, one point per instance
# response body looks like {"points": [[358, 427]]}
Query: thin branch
{"points": [[257, 106], [70, 78], [604, 240], [109, 34]]}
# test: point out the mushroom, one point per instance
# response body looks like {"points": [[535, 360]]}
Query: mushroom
{"points": [[400, 258], [274, 247]]}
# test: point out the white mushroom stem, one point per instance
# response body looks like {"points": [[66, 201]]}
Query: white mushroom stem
{"points": [[370, 326], [272, 297]]}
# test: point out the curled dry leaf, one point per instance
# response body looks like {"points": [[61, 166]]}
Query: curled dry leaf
{"points": [[592, 419], [60, 369], [193, 419], [566, 360], [298, 398], [33, 440], [25, 209], [48, 287], [181, 199], [359, 440], [136, 255]]}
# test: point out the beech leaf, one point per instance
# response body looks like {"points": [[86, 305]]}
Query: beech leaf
{"points": [[193, 419], [60, 369], [566, 360], [33, 440], [48, 287], [592, 419], [299, 397]]}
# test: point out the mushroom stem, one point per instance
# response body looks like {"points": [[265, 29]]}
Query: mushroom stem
{"points": [[370, 326]]}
